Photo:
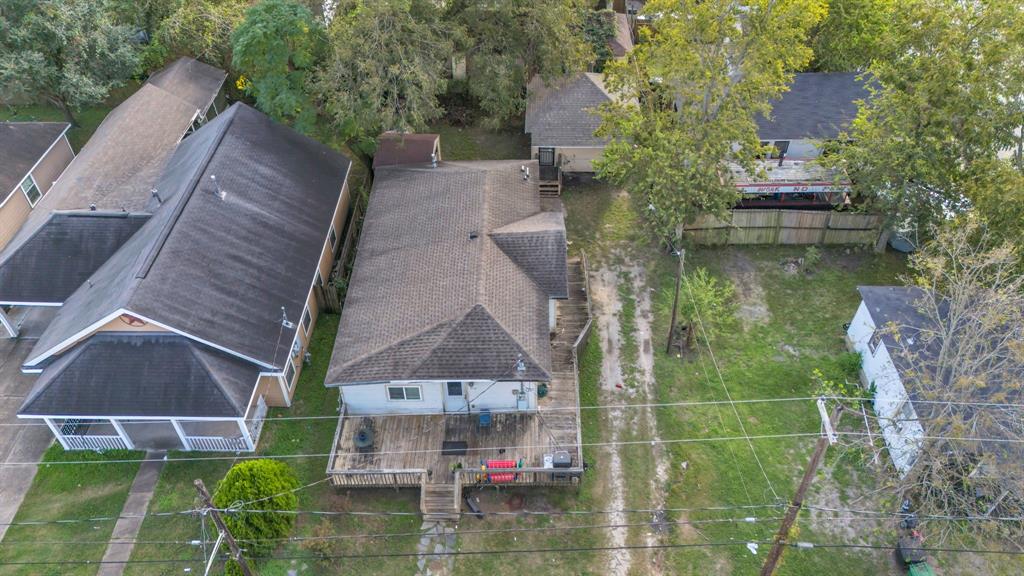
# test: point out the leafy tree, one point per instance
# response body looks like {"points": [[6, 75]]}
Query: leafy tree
{"points": [[259, 485], [274, 48], [599, 30], [705, 304], [854, 33], [509, 42], [689, 97], [68, 52], [142, 14], [387, 64], [945, 103], [967, 349], [200, 29]]}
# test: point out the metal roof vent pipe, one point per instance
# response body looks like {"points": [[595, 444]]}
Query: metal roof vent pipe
{"points": [[433, 159]]}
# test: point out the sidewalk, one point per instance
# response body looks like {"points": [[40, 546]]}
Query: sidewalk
{"points": [[119, 550]]}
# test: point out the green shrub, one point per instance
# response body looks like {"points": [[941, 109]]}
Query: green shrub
{"points": [[849, 364], [812, 257], [271, 483]]}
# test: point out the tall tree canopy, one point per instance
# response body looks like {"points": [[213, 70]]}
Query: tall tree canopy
{"points": [[509, 42], [690, 94], [854, 33], [273, 49], [200, 29], [387, 64], [945, 103], [69, 52]]}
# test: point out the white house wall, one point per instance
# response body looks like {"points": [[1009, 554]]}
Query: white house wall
{"points": [[368, 399], [902, 436]]}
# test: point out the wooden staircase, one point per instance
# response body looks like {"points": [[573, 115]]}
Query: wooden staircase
{"points": [[550, 182], [440, 501]]}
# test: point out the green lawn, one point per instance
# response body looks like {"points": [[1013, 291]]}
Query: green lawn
{"points": [[474, 143], [68, 491]]}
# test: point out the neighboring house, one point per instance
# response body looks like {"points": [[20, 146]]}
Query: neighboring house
{"points": [[451, 319], [561, 120], [402, 148], [870, 333], [32, 156], [817, 108], [202, 317], [107, 192], [622, 42]]}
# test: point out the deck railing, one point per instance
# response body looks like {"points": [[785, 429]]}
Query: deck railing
{"points": [[378, 478], [580, 341], [217, 444], [93, 442]]}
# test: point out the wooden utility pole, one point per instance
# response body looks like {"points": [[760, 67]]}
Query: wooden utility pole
{"points": [[236, 552], [675, 301], [782, 536]]}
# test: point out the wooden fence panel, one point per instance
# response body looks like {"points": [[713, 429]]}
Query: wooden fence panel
{"points": [[786, 227]]}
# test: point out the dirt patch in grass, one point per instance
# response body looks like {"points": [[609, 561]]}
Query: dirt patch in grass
{"points": [[753, 309]]}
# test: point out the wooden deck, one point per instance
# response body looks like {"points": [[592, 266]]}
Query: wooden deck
{"points": [[409, 450]]}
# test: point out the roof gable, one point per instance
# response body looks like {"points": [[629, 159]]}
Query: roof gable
{"points": [[22, 144], [564, 114], [818, 105], [537, 244]]}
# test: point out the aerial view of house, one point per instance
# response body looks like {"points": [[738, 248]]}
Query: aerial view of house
{"points": [[456, 332], [465, 287]]}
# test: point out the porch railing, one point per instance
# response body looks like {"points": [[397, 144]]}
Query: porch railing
{"points": [[94, 442], [217, 444]]}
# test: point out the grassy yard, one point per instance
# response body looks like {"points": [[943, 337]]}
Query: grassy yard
{"points": [[68, 491], [474, 143]]}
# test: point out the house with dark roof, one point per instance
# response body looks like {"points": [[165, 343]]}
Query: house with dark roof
{"points": [[32, 157], [891, 333], [200, 317], [450, 341], [107, 192]]}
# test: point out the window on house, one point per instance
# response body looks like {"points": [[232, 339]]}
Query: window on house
{"points": [[455, 388], [289, 375], [906, 414], [403, 393], [307, 319], [28, 186], [781, 149], [333, 238], [296, 347], [875, 340]]}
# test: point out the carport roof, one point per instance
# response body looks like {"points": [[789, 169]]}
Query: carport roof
{"points": [[167, 376]]}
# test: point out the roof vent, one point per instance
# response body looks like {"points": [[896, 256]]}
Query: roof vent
{"points": [[526, 173], [221, 193], [433, 159], [156, 194], [474, 235], [92, 207]]}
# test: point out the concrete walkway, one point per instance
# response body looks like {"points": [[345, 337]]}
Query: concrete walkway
{"points": [[127, 528], [20, 440]]}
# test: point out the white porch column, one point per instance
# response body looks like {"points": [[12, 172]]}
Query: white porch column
{"points": [[124, 435], [8, 324], [56, 432], [246, 434], [181, 434]]}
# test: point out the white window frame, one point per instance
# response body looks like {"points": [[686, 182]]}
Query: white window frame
{"points": [[306, 321], [34, 184], [290, 382], [405, 392]]}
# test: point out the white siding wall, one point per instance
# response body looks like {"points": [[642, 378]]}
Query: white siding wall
{"points": [[373, 398], [902, 436]]}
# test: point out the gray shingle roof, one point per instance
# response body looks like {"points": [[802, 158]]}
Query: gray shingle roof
{"points": [[563, 114], [191, 80], [397, 148], [143, 375], [52, 263], [433, 295], [221, 267], [818, 105], [22, 144]]}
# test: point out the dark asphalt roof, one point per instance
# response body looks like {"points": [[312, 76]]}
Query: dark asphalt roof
{"points": [[125, 156], [52, 263], [397, 148], [443, 286], [564, 114], [22, 144], [818, 105], [191, 80], [122, 374], [220, 258]]}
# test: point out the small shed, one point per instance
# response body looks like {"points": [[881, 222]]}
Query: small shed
{"points": [[395, 148]]}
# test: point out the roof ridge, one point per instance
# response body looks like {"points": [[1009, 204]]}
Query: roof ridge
{"points": [[444, 337], [185, 195], [193, 348], [390, 345], [66, 359]]}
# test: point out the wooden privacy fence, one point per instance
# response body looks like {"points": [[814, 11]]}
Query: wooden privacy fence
{"points": [[787, 227]]}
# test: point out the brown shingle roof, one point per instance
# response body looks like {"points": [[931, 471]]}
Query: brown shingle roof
{"points": [[22, 144], [433, 294]]}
